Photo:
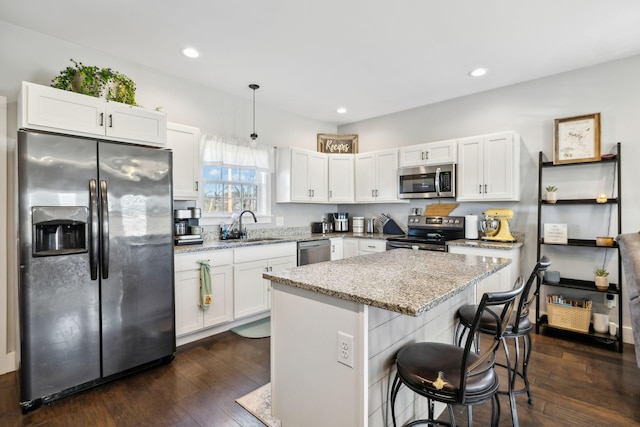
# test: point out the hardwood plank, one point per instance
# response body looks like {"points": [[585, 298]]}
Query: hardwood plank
{"points": [[573, 384]]}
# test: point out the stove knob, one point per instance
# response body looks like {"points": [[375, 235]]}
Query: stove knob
{"points": [[457, 221]]}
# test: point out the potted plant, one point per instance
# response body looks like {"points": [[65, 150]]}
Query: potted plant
{"points": [[551, 196], [601, 279], [94, 81]]}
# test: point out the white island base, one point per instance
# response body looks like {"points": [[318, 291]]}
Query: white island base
{"points": [[336, 327], [311, 388]]}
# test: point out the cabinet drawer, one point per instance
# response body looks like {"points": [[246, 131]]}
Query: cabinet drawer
{"points": [[184, 262], [369, 245], [255, 253]]}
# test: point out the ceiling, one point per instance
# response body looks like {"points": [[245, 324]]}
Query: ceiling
{"points": [[373, 57]]}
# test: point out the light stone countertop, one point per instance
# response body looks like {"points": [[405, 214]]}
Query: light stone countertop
{"points": [[484, 244], [402, 280], [268, 240]]}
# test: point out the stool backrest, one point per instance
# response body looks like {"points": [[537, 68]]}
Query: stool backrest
{"points": [[526, 300], [503, 303]]}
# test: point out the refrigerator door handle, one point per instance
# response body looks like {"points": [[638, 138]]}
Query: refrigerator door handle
{"points": [[104, 210], [95, 229]]}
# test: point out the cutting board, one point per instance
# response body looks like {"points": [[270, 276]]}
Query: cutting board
{"points": [[440, 209]]}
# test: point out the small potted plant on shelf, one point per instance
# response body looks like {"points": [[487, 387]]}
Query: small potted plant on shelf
{"points": [[601, 279], [551, 196]]}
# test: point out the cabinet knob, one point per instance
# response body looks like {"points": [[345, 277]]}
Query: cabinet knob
{"points": [[101, 119]]}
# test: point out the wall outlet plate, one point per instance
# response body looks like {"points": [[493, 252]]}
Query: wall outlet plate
{"points": [[345, 349]]}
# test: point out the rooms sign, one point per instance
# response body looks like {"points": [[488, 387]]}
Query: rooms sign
{"points": [[337, 143]]}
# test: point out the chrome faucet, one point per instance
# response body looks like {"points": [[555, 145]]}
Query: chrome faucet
{"points": [[243, 233]]}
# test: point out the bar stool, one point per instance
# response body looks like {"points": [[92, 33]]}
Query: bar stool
{"points": [[519, 327], [453, 375]]}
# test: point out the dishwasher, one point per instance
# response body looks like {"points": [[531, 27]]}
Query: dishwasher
{"points": [[312, 251]]}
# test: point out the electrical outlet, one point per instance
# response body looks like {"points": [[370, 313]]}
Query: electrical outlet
{"points": [[279, 221], [345, 349]]}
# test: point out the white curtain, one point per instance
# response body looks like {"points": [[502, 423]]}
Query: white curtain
{"points": [[237, 153]]}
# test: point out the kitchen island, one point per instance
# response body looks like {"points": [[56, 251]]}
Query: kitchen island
{"points": [[336, 326]]}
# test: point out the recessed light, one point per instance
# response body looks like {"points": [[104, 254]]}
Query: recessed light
{"points": [[478, 72], [341, 110], [190, 52]]}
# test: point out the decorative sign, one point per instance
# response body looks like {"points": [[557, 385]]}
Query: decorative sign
{"points": [[577, 139], [555, 233], [337, 143]]}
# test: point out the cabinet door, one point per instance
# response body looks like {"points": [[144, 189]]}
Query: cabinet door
{"points": [[220, 310], [133, 123], [277, 264], [60, 110], [318, 179], [341, 178], [387, 176], [499, 168], [442, 152], [413, 155], [187, 294], [470, 169], [184, 142], [249, 288], [300, 164], [350, 247], [365, 177], [337, 248]]}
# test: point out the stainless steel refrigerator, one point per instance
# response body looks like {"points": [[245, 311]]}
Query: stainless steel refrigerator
{"points": [[96, 263]]}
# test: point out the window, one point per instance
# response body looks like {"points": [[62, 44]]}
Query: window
{"points": [[229, 190], [236, 175]]}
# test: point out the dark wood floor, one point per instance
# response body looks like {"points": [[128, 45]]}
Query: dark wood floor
{"points": [[574, 384]]}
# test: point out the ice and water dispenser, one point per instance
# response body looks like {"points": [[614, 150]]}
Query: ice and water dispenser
{"points": [[59, 230]]}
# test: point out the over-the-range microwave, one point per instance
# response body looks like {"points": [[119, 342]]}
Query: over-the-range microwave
{"points": [[426, 182]]}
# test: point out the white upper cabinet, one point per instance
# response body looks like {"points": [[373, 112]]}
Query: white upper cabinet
{"points": [[184, 141], [377, 176], [301, 176], [341, 178], [432, 153], [489, 167], [55, 110]]}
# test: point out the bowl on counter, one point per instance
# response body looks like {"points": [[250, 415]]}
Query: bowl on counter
{"points": [[604, 241]]}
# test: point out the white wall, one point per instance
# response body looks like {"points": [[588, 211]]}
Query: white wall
{"points": [[530, 108], [34, 57]]}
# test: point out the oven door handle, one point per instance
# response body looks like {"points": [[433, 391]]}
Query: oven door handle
{"points": [[437, 182]]}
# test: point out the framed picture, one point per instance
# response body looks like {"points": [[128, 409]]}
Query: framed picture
{"points": [[555, 234], [577, 139], [341, 143]]}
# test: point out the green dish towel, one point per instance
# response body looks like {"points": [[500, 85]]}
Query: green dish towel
{"points": [[205, 284]]}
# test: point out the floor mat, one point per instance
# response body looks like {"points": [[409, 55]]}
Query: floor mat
{"points": [[258, 329], [258, 403]]}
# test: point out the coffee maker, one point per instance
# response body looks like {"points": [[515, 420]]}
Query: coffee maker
{"points": [[186, 227]]}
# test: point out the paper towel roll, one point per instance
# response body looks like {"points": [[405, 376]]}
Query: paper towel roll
{"points": [[471, 226]]}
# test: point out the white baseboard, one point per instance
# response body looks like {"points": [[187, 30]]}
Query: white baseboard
{"points": [[8, 363]]}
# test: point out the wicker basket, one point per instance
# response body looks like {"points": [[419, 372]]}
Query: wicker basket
{"points": [[570, 318]]}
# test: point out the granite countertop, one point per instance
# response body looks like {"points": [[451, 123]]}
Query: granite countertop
{"points": [[237, 243], [485, 244], [402, 280]]}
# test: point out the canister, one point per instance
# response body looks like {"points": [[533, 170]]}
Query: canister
{"points": [[371, 223], [471, 227], [358, 224]]}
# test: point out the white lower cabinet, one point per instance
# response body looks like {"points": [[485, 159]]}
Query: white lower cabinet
{"points": [[350, 247], [370, 246], [251, 290], [337, 248], [501, 281], [190, 317]]}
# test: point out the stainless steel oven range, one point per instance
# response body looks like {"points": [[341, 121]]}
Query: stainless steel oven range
{"points": [[429, 233]]}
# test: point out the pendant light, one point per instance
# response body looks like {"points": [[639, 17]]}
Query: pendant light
{"points": [[254, 86]]}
